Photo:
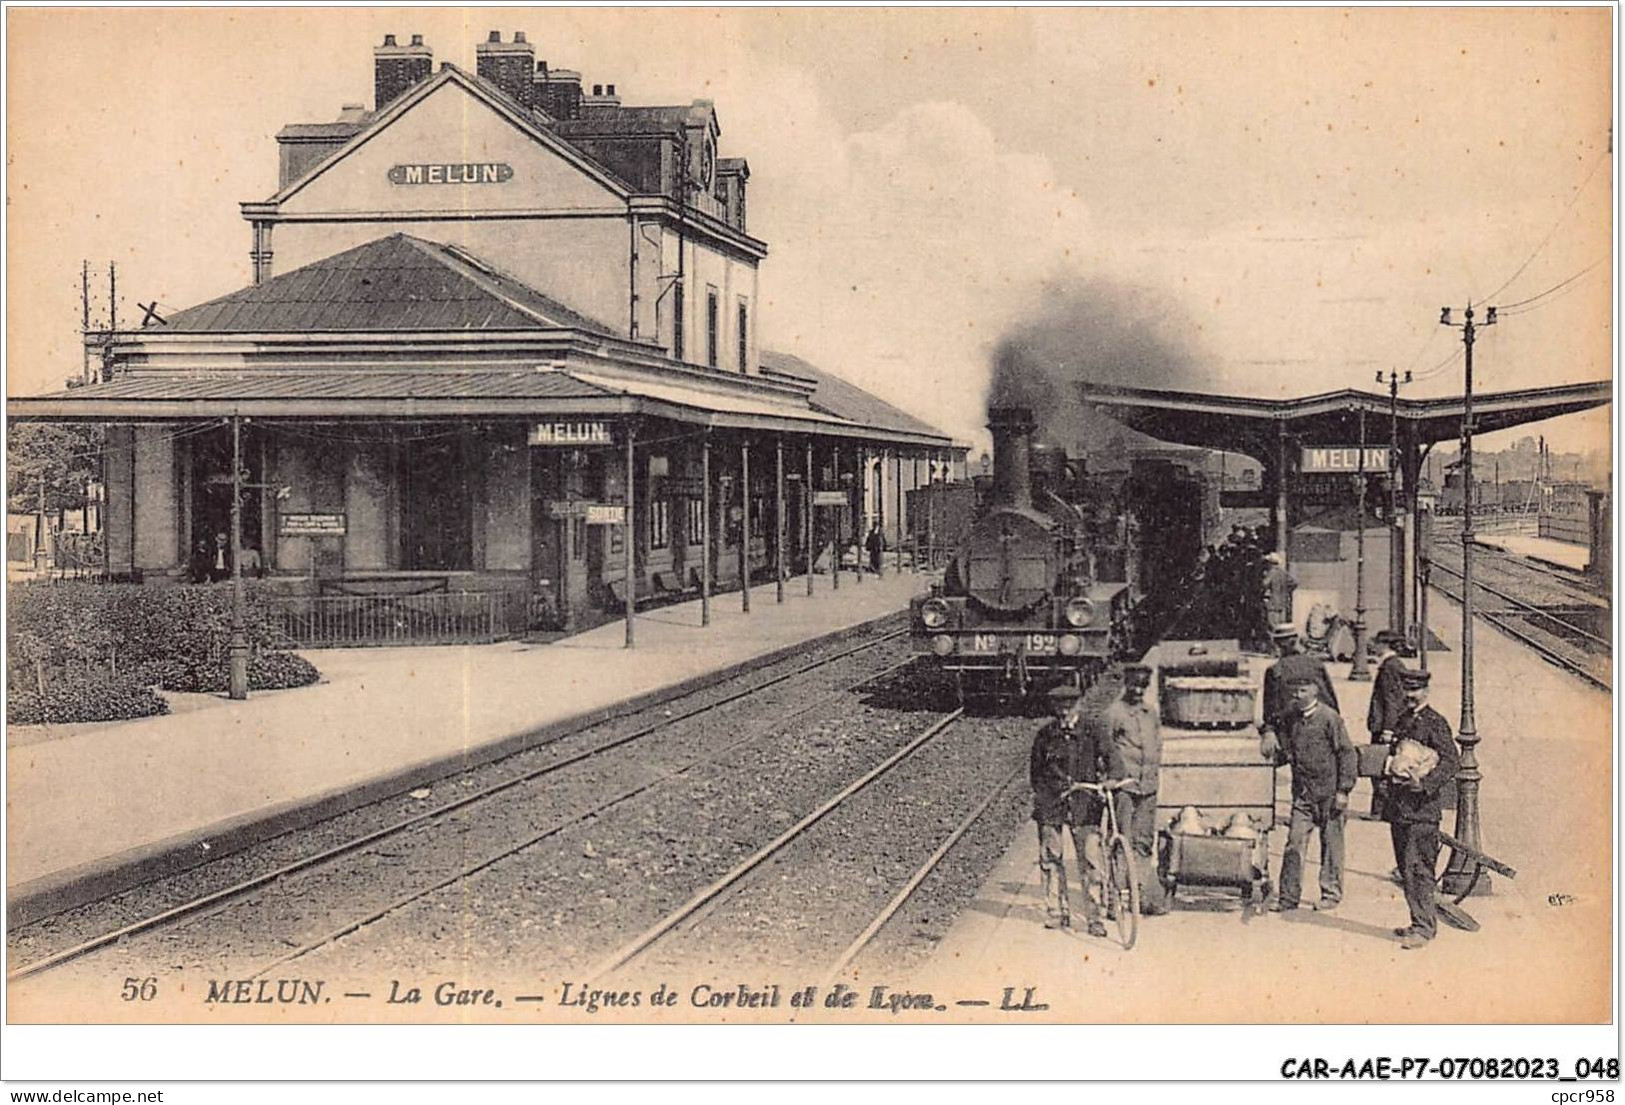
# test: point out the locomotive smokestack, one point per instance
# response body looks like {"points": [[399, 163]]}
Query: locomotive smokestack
{"points": [[1012, 446]]}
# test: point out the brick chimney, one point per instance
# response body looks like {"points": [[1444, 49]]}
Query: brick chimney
{"points": [[558, 92], [397, 68], [508, 65]]}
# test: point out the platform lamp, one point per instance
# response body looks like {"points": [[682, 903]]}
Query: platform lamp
{"points": [[1396, 540], [1360, 670], [1461, 872]]}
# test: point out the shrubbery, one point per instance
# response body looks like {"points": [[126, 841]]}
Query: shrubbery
{"points": [[81, 651]]}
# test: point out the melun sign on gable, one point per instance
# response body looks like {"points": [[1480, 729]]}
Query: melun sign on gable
{"points": [[456, 172]]}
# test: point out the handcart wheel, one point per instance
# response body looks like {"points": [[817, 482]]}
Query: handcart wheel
{"points": [[1124, 890]]}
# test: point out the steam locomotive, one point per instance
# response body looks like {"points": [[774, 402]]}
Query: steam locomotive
{"points": [[1060, 571]]}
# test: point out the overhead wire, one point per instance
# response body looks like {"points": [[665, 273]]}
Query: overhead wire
{"points": [[1524, 305], [1561, 215]]}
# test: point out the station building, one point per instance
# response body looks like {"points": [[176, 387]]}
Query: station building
{"points": [[502, 337]]}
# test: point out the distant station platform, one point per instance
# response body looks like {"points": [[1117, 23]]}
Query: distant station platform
{"points": [[1546, 810], [108, 804], [1576, 558]]}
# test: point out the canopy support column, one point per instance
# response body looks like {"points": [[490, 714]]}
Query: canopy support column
{"points": [[744, 525], [629, 531], [778, 520], [705, 529]]}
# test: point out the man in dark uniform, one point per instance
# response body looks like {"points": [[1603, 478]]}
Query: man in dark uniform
{"points": [[1387, 705], [1316, 744], [1413, 809], [1132, 725], [1293, 664], [1067, 752]]}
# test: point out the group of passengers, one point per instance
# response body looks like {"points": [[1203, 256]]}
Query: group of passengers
{"points": [[1413, 758]]}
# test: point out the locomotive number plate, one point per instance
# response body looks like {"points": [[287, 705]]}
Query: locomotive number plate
{"points": [[1034, 644]]}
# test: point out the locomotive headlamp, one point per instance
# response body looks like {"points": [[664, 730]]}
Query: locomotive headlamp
{"points": [[942, 644], [934, 613], [1079, 612], [1069, 645]]}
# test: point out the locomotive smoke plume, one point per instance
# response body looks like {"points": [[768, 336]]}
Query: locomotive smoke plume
{"points": [[1094, 332]]}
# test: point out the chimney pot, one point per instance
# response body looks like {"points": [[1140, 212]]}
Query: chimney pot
{"points": [[519, 36], [389, 40], [417, 40], [494, 36]]}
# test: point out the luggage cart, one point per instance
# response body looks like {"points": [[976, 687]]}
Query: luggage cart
{"points": [[1216, 799]]}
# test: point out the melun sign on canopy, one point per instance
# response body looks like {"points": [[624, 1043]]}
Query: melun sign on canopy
{"points": [[455, 172], [1345, 458]]}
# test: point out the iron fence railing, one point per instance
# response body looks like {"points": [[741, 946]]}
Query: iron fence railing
{"points": [[439, 618]]}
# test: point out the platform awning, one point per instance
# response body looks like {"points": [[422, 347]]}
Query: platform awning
{"points": [[408, 394], [1252, 426]]}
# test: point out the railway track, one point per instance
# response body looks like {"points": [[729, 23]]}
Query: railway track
{"points": [[823, 868], [1557, 638], [207, 905]]}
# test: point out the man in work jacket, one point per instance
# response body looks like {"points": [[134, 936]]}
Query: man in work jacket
{"points": [[1324, 769], [1066, 752], [1413, 809], [1387, 707], [1293, 664], [1132, 725]]}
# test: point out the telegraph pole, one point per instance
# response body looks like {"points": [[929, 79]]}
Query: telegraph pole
{"points": [[1360, 672], [1461, 871]]}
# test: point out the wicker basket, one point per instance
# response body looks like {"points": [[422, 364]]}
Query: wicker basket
{"points": [[1208, 701]]}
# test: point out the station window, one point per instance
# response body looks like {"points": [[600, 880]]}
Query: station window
{"points": [[744, 336], [437, 518], [659, 523], [696, 520], [677, 321], [711, 322]]}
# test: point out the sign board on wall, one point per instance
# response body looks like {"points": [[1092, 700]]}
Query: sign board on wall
{"points": [[1345, 458], [456, 172], [570, 433], [606, 514], [829, 498], [310, 525]]}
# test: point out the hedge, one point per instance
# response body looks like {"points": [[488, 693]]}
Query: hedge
{"points": [[68, 638]]}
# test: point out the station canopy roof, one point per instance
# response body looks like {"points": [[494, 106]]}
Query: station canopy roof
{"points": [[1253, 426]]}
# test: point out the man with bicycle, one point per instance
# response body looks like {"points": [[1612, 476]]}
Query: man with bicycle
{"points": [[1132, 725], [1065, 753]]}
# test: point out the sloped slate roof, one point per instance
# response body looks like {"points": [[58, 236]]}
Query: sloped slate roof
{"points": [[393, 283], [835, 396]]}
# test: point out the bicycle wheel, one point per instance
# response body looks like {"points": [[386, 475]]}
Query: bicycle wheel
{"points": [[1124, 889]]}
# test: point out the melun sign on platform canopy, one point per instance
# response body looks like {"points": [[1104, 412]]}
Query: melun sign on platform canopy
{"points": [[570, 433], [1345, 458]]}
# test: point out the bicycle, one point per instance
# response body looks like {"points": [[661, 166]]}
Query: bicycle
{"points": [[1120, 889]]}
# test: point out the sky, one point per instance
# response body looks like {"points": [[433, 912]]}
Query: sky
{"points": [[1285, 197]]}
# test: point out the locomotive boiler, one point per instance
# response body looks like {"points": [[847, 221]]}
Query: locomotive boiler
{"points": [[1025, 601]]}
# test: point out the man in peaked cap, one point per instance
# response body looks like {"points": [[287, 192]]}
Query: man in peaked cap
{"points": [[1387, 703], [1132, 725], [1413, 809], [1065, 752], [1293, 663]]}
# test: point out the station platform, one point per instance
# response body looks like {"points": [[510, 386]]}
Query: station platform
{"points": [[1543, 954], [95, 808], [1560, 554]]}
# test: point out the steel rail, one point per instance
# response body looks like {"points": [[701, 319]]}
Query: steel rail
{"points": [[1503, 558], [901, 898], [226, 895], [630, 950], [356, 924], [1546, 651], [1531, 607]]}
